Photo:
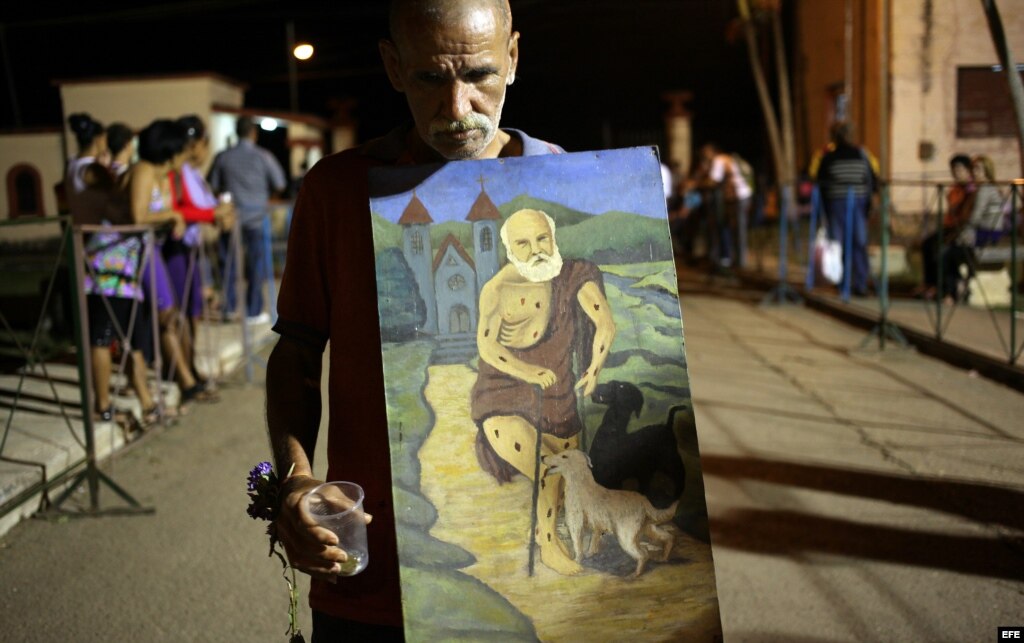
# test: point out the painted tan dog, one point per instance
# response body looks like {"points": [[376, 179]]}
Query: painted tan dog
{"points": [[627, 514]]}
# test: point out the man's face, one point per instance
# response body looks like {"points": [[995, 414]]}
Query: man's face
{"points": [[531, 246], [454, 76]]}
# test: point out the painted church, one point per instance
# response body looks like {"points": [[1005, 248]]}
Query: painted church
{"points": [[449, 281]]}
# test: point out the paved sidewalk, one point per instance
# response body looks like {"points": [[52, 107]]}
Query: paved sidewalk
{"points": [[41, 443], [854, 496]]}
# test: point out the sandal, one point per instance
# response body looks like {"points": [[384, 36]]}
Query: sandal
{"points": [[151, 416], [198, 393], [106, 415]]}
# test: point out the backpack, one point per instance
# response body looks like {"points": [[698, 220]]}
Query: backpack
{"points": [[746, 171]]}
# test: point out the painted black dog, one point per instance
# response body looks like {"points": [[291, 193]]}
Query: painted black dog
{"points": [[620, 455]]}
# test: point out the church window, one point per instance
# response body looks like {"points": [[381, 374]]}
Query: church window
{"points": [[486, 239], [417, 243], [457, 282], [24, 192]]}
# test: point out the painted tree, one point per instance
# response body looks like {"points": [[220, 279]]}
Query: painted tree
{"points": [[402, 310]]}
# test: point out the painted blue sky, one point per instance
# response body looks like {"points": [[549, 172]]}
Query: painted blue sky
{"points": [[627, 180]]}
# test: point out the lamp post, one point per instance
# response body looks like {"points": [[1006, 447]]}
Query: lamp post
{"points": [[296, 52]]}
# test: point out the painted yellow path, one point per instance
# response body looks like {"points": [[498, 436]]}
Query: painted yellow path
{"points": [[674, 602]]}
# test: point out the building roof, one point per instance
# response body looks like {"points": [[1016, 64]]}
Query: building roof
{"points": [[150, 77], [451, 241], [483, 209], [415, 212]]}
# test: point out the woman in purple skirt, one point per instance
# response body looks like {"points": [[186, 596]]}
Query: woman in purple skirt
{"points": [[161, 148]]}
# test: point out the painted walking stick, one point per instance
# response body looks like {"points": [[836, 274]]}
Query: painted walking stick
{"points": [[536, 484]]}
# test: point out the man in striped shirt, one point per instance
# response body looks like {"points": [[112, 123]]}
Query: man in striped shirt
{"points": [[847, 173]]}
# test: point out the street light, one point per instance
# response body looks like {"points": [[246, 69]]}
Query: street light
{"points": [[297, 51]]}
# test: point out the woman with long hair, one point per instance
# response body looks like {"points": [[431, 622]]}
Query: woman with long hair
{"points": [[193, 198], [162, 149], [989, 215]]}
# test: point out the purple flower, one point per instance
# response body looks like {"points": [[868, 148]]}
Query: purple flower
{"points": [[259, 472]]}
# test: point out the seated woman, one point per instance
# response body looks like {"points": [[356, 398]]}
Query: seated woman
{"points": [[161, 148], [991, 209], [959, 205]]}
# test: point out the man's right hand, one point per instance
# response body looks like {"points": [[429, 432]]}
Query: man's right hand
{"points": [[311, 548], [542, 377]]}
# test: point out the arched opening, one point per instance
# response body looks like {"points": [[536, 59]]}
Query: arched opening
{"points": [[458, 319], [24, 192]]}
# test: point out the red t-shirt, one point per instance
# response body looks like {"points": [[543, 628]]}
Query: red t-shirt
{"points": [[329, 291], [184, 203]]}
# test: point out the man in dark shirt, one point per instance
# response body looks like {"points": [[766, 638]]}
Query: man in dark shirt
{"points": [[453, 59], [846, 175]]}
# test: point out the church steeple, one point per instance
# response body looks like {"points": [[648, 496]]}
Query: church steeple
{"points": [[415, 212], [415, 222], [485, 217]]}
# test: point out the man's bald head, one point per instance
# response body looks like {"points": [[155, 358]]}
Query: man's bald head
{"points": [[437, 12]]}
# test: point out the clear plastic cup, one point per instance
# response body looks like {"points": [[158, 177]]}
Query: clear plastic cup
{"points": [[338, 506]]}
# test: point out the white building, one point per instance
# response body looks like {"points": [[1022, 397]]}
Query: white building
{"points": [[32, 161]]}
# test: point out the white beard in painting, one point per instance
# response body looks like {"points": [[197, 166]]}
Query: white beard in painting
{"points": [[539, 267]]}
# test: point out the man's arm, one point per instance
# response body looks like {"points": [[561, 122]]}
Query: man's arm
{"points": [[597, 309], [275, 173], [497, 355], [293, 421]]}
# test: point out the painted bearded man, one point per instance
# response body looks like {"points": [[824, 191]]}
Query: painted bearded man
{"points": [[538, 314]]}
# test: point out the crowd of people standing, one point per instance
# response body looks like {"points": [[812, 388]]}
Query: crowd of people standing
{"points": [[159, 184]]}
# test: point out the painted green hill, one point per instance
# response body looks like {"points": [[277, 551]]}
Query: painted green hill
{"points": [[564, 216], [611, 238], [385, 233], [617, 237]]}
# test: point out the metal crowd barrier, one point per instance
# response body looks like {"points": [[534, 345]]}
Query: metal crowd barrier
{"points": [[910, 225], [70, 255], [236, 256]]}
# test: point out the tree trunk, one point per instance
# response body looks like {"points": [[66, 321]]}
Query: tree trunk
{"points": [[995, 25], [771, 122], [788, 178]]}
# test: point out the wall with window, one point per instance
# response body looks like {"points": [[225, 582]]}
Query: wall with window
{"points": [[31, 164], [941, 51]]}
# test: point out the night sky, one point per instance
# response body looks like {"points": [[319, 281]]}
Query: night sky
{"points": [[591, 73]]}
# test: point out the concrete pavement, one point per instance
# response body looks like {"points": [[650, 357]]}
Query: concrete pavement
{"points": [[854, 496]]}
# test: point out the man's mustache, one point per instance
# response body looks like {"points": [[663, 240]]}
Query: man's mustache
{"points": [[471, 122]]}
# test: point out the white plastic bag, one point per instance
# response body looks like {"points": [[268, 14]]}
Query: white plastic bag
{"points": [[828, 257]]}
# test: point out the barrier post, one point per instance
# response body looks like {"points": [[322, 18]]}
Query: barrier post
{"points": [[939, 243], [848, 246], [782, 292], [268, 253], [884, 328], [811, 237], [92, 476], [240, 299], [1014, 353]]}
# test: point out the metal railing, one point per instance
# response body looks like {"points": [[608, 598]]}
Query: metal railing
{"points": [[908, 213]]}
